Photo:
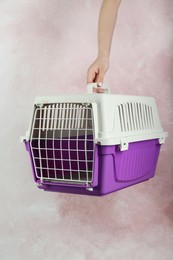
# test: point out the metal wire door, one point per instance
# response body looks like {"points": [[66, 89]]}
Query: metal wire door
{"points": [[62, 142]]}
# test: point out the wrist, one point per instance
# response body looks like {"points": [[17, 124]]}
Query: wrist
{"points": [[103, 56]]}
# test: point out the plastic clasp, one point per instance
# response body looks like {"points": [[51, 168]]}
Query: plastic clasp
{"points": [[162, 138], [124, 145], [98, 88]]}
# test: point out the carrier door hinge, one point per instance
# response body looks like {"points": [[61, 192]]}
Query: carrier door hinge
{"points": [[39, 105], [88, 187], [124, 145], [25, 138]]}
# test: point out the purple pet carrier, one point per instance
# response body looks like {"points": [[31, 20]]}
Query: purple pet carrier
{"points": [[93, 144]]}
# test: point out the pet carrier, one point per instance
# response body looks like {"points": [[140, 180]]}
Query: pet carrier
{"points": [[95, 143]]}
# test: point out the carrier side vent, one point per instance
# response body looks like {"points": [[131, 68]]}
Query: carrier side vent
{"points": [[135, 117]]}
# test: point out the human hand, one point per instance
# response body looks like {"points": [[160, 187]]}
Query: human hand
{"points": [[97, 70]]}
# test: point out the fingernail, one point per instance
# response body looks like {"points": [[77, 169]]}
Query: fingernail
{"points": [[99, 84]]}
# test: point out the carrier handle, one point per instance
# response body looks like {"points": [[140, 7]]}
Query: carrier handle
{"points": [[98, 88]]}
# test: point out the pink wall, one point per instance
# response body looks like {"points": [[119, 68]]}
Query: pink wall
{"points": [[46, 48]]}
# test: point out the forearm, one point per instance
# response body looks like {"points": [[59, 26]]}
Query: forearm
{"points": [[107, 20]]}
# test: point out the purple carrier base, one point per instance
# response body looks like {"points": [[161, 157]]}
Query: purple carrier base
{"points": [[114, 169]]}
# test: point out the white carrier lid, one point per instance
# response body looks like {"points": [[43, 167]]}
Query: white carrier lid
{"points": [[118, 119]]}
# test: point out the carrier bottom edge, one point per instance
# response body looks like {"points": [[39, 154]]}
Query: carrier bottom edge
{"points": [[95, 192]]}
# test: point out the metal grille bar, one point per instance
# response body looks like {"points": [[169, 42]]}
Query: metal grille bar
{"points": [[62, 142]]}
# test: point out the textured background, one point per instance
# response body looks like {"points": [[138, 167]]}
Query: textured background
{"points": [[46, 48]]}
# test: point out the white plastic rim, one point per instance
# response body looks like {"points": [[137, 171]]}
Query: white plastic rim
{"points": [[118, 119]]}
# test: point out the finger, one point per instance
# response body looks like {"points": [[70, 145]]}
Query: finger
{"points": [[91, 76], [98, 90], [99, 78]]}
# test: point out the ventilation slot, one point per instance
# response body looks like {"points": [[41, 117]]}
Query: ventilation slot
{"points": [[135, 117], [62, 143]]}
